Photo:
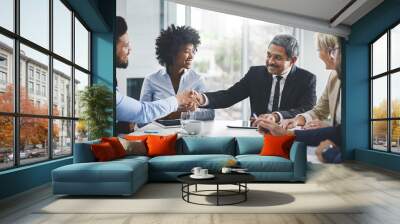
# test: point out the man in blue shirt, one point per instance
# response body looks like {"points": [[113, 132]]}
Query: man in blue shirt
{"points": [[131, 110]]}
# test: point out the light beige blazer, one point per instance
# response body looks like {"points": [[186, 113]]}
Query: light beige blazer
{"points": [[325, 107]]}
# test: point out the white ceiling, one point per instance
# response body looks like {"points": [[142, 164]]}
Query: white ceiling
{"points": [[315, 15], [319, 9]]}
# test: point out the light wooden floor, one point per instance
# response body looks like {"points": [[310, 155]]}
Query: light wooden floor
{"points": [[378, 188]]}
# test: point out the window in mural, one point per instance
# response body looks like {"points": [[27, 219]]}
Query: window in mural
{"points": [[43, 112], [385, 97]]}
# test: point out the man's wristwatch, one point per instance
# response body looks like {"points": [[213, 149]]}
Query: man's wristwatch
{"points": [[326, 149], [277, 117]]}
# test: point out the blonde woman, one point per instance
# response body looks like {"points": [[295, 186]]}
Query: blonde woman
{"points": [[328, 105], [317, 130]]}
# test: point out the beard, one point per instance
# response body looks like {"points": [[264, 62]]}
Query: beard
{"points": [[272, 68], [122, 64]]}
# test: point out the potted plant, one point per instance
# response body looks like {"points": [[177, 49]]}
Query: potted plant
{"points": [[81, 131], [96, 104]]}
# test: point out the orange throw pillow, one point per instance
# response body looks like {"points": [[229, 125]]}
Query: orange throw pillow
{"points": [[116, 145], [103, 152], [277, 145], [136, 137], [161, 145]]}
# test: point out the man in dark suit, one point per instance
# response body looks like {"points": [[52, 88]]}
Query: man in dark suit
{"points": [[278, 90]]}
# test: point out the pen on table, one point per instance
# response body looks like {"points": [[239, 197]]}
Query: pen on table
{"points": [[255, 116]]}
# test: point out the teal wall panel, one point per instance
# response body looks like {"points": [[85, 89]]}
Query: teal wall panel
{"points": [[24, 178], [103, 63], [377, 158], [99, 16], [103, 58], [103, 47], [90, 12], [356, 99], [356, 84]]}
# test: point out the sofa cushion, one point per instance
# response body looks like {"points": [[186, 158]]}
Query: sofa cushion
{"points": [[159, 145], [131, 158], [207, 145], [93, 172], [134, 147], [112, 171], [249, 145], [136, 137], [185, 163], [118, 177], [277, 145], [83, 152], [257, 163], [103, 152], [116, 145]]}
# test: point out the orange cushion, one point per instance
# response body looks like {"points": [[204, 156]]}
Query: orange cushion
{"points": [[134, 147], [103, 152], [161, 145], [136, 137], [277, 145], [116, 145]]}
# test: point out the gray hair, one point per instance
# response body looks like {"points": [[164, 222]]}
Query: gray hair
{"points": [[288, 42]]}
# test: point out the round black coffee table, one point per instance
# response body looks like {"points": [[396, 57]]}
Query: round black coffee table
{"points": [[238, 179]]}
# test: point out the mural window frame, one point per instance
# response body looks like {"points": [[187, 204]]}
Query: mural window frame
{"points": [[385, 114], [33, 76]]}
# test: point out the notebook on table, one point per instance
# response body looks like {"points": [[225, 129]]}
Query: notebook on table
{"points": [[174, 123], [240, 124]]}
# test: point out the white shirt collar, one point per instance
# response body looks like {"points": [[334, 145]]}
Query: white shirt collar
{"points": [[164, 72], [285, 74]]}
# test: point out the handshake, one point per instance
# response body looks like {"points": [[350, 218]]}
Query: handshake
{"points": [[189, 100]]}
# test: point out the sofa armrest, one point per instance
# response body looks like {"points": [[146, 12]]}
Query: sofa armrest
{"points": [[83, 152], [298, 155]]}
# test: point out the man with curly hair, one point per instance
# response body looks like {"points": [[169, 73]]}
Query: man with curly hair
{"points": [[176, 47], [131, 110]]}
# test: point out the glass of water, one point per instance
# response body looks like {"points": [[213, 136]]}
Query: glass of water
{"points": [[185, 117]]}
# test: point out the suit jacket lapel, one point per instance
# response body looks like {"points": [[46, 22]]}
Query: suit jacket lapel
{"points": [[267, 85], [290, 81]]}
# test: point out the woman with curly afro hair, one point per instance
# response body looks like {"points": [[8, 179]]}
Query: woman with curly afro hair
{"points": [[175, 49]]}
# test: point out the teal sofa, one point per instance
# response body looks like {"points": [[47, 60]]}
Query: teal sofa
{"points": [[125, 176]]}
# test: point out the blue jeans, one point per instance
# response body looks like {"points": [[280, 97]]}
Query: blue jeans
{"points": [[332, 155], [313, 137]]}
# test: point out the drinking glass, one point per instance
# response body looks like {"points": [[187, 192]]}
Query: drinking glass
{"points": [[185, 117]]}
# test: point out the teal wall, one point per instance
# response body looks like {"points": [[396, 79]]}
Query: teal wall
{"points": [[356, 85], [103, 47], [24, 178], [92, 12], [380, 159], [102, 58], [99, 15]]}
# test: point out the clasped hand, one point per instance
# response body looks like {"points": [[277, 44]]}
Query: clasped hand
{"points": [[188, 100], [265, 125]]}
